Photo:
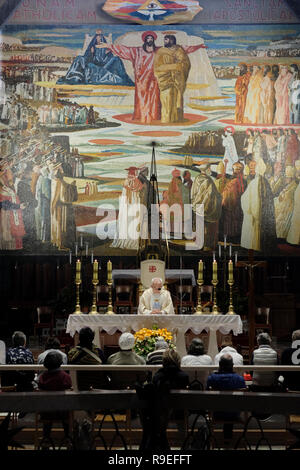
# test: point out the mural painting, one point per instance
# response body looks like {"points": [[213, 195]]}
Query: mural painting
{"points": [[81, 107]]}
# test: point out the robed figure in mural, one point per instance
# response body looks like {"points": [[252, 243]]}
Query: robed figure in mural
{"points": [[97, 66], [293, 235], [267, 96], [284, 203], [241, 90], [129, 220], [146, 98], [63, 230], [12, 228], [232, 214], [204, 192], [171, 68], [259, 227], [230, 154], [282, 114], [253, 108]]}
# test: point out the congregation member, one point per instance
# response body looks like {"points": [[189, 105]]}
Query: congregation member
{"points": [[264, 355], [156, 300], [291, 357], [226, 379], [169, 376], [19, 354], [86, 353], [52, 344], [227, 348], [126, 355], [196, 357], [54, 379], [156, 356]]}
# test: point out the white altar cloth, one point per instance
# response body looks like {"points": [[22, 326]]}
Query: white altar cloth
{"points": [[178, 324]]}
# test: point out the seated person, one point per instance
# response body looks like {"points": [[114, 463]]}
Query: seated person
{"points": [[156, 300], [126, 356], [288, 357], [196, 357], [156, 356], [97, 66], [226, 379], [266, 356], [86, 353], [52, 344], [169, 377], [19, 354], [54, 379], [228, 349]]}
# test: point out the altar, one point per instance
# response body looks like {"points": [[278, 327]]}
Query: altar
{"points": [[177, 324]]}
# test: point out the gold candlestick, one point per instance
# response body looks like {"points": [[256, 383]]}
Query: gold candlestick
{"points": [[215, 306], [93, 310], [109, 310], [78, 282], [230, 282], [199, 309]]}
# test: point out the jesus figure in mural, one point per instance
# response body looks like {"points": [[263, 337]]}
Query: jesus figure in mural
{"points": [[147, 104], [146, 99]]}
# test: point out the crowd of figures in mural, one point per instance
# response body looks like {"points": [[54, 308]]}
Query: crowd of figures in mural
{"points": [[268, 94], [240, 157]]}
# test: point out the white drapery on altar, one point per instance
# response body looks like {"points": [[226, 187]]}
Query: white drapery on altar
{"points": [[177, 324]]}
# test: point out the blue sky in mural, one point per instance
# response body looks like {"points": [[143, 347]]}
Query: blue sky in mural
{"points": [[215, 36]]}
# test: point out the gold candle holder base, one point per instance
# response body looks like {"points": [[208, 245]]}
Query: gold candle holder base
{"points": [[199, 309], [77, 306], [231, 308], [109, 310], [93, 310], [215, 310]]}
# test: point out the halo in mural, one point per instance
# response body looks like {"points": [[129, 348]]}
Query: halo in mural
{"points": [[153, 11]]}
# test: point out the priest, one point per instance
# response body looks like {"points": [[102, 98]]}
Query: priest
{"points": [[156, 300]]}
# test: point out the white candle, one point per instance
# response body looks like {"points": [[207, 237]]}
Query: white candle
{"points": [[235, 257], [76, 249], [230, 250], [220, 252], [86, 249], [81, 240], [70, 257], [92, 257], [225, 238], [214, 256]]}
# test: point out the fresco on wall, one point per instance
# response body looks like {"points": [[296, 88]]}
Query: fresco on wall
{"points": [[153, 11], [81, 106]]}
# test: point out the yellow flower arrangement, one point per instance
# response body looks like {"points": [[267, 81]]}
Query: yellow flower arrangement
{"points": [[146, 338]]}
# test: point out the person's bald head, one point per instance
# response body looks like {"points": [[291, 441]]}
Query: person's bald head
{"points": [[156, 284], [226, 363]]}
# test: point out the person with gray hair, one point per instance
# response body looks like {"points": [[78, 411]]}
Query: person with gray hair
{"points": [[264, 355], [156, 300], [156, 356], [291, 357], [19, 354]]}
